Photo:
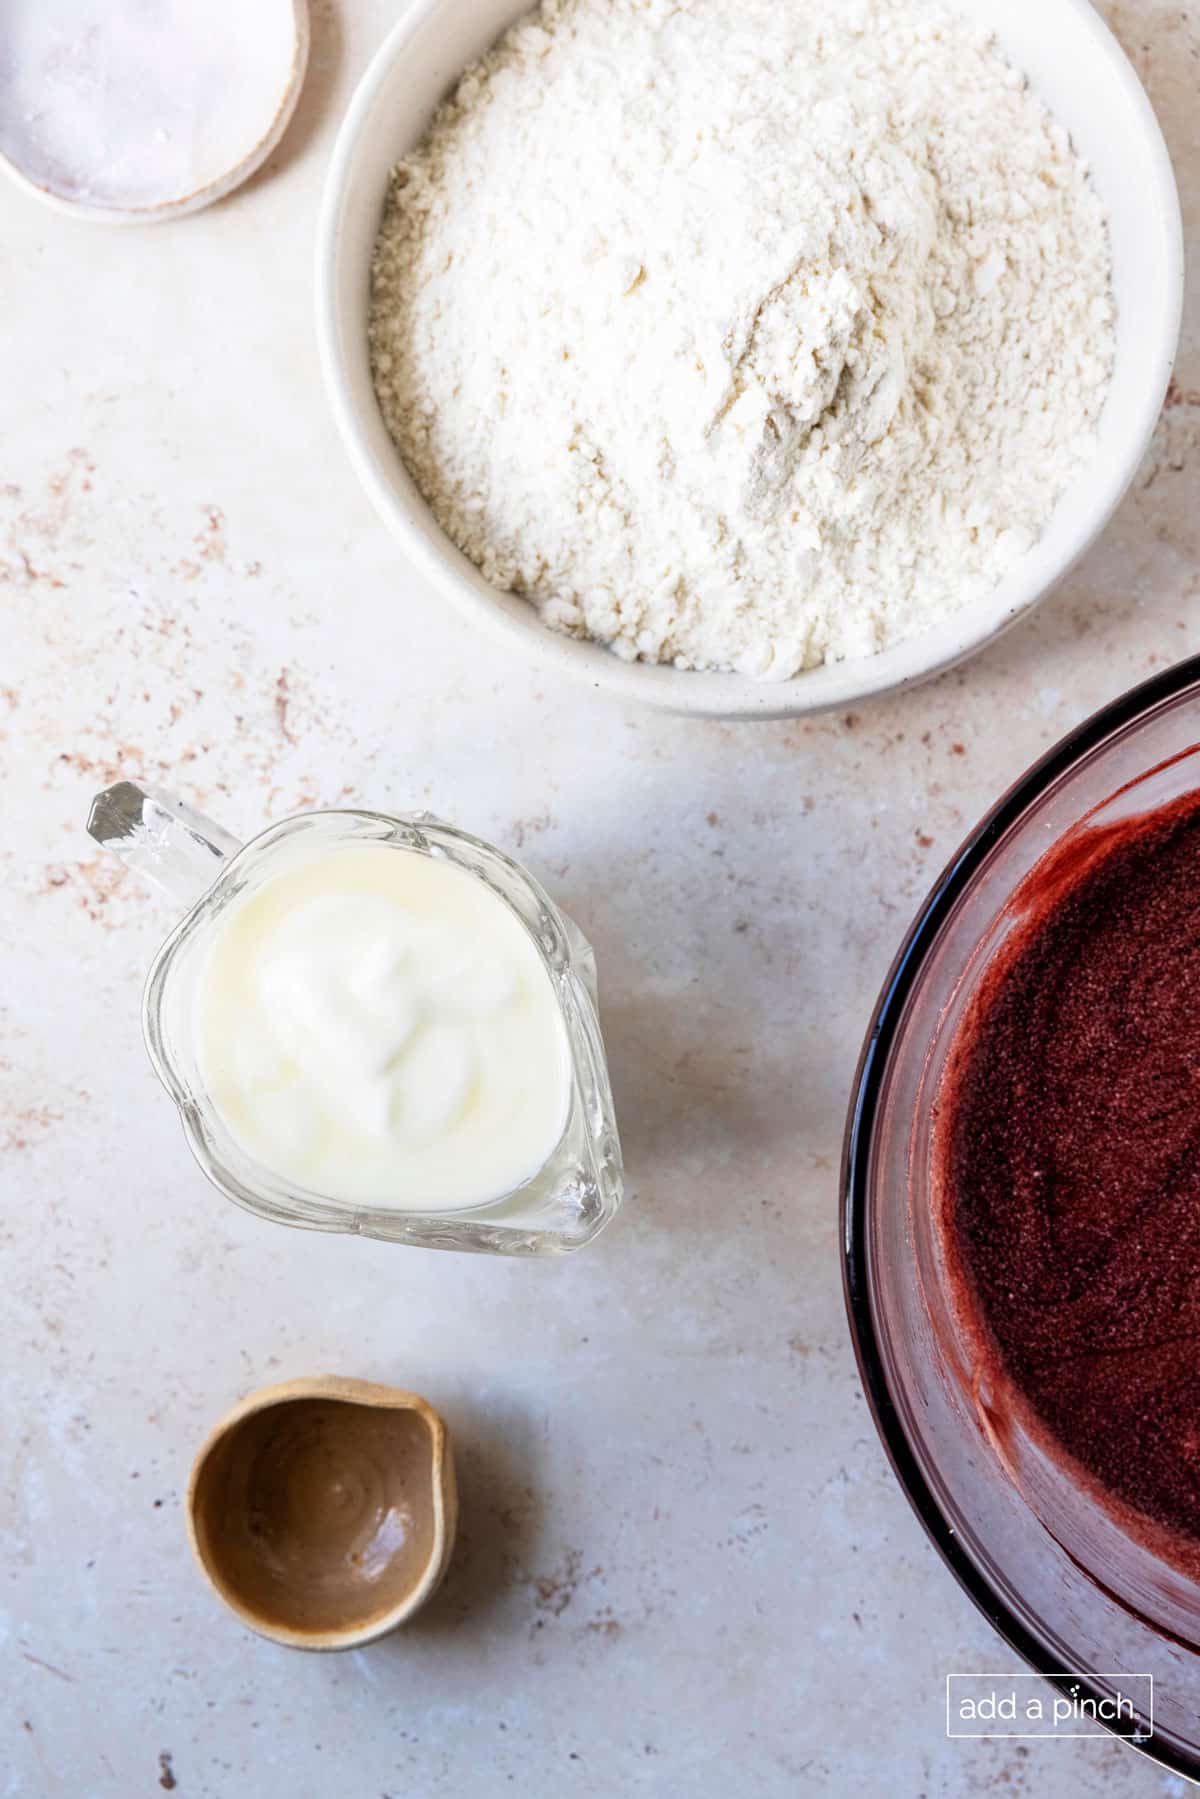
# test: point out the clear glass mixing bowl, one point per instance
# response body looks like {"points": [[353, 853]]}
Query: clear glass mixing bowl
{"points": [[1047, 1564]]}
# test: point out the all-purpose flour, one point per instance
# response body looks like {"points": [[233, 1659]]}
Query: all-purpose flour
{"points": [[741, 333]]}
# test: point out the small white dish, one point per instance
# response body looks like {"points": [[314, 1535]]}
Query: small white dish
{"points": [[137, 110], [1079, 70]]}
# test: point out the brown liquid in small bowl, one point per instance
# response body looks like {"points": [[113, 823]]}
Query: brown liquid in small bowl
{"points": [[323, 1511]]}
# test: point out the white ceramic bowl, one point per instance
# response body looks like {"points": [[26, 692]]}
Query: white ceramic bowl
{"points": [[1078, 69]]}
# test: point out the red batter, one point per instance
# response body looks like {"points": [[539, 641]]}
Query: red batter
{"points": [[1069, 1153]]}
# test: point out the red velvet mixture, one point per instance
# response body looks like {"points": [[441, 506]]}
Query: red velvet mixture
{"points": [[1070, 1157]]}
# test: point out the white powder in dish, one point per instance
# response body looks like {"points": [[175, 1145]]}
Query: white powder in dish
{"points": [[739, 334], [134, 105]]}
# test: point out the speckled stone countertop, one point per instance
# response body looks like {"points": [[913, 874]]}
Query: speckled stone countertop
{"points": [[684, 1566]]}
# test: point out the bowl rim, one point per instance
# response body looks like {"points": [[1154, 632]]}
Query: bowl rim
{"points": [[874, 1060], [710, 694]]}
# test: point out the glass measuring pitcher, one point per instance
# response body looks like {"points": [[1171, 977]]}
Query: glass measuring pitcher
{"points": [[198, 865]]}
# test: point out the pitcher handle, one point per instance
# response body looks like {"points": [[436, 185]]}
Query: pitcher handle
{"points": [[171, 845]]}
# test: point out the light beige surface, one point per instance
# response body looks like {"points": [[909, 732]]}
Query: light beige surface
{"points": [[683, 1565]]}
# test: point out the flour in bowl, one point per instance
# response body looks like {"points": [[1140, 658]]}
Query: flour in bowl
{"points": [[739, 334]]}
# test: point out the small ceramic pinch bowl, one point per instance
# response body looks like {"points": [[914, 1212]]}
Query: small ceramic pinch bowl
{"points": [[130, 114], [1074, 65], [323, 1511]]}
